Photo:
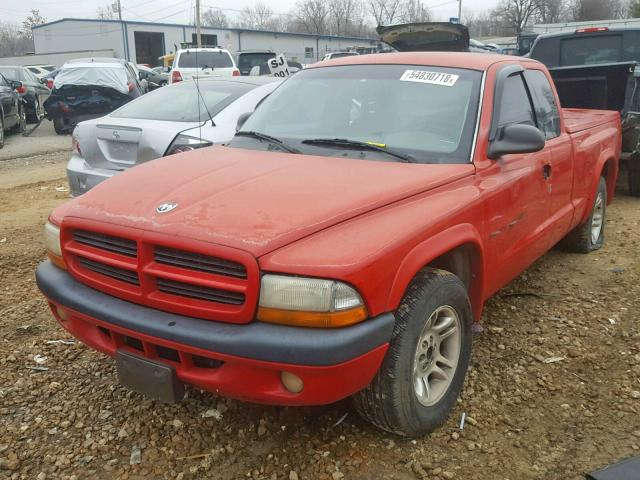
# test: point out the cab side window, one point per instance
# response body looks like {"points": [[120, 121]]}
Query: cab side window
{"points": [[515, 105], [544, 100]]}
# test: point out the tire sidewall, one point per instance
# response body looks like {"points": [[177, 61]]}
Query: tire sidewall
{"points": [[452, 294], [22, 125], [1, 130]]}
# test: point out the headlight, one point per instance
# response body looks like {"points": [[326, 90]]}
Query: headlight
{"points": [[52, 244], [309, 302], [185, 143]]}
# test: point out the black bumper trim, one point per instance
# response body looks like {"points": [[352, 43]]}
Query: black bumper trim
{"points": [[256, 340]]}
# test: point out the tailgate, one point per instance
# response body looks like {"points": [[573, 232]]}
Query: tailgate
{"points": [[602, 87]]}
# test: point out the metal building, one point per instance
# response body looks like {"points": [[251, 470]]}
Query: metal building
{"points": [[144, 42]]}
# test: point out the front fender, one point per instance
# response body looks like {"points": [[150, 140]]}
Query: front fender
{"points": [[429, 250]]}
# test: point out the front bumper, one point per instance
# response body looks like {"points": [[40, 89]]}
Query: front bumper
{"points": [[238, 361], [83, 177]]}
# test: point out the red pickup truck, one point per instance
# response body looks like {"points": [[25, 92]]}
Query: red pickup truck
{"points": [[345, 241]]}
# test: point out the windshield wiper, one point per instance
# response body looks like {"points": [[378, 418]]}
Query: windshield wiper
{"points": [[268, 138], [344, 142]]}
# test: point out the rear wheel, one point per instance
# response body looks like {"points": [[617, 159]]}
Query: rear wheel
{"points": [[21, 126], [589, 236], [425, 366], [36, 115], [59, 126]]}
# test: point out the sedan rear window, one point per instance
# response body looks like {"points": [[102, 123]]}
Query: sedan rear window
{"points": [[250, 60], [181, 103], [205, 60], [13, 73]]}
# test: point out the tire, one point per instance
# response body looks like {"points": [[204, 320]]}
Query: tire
{"points": [[21, 126], [59, 127], [589, 236], [396, 400], [633, 174], [35, 116]]}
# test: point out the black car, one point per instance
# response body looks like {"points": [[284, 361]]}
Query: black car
{"points": [[32, 92], [248, 59], [12, 115]]}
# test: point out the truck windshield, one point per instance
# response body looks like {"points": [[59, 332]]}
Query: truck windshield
{"points": [[426, 113]]}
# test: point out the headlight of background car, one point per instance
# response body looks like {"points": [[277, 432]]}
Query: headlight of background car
{"points": [[185, 143], [52, 244], [309, 302]]}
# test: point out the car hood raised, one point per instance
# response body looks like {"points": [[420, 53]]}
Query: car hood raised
{"points": [[426, 37], [253, 200]]}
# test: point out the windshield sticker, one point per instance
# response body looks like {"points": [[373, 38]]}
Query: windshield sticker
{"points": [[435, 78]]}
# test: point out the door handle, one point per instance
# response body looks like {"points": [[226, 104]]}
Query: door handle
{"points": [[546, 171]]}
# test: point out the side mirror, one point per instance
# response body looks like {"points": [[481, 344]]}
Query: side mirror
{"points": [[15, 85], [43, 81], [516, 138], [242, 119]]}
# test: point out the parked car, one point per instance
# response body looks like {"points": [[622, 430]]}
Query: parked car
{"points": [[333, 55], [345, 241], [12, 114], [32, 92], [201, 63], [596, 67], [90, 88], [247, 59], [168, 121], [154, 78], [40, 71]]}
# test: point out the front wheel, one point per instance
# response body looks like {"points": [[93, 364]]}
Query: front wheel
{"points": [[423, 372], [589, 236]]}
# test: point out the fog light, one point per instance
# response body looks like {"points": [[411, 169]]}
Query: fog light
{"points": [[63, 314], [291, 382]]}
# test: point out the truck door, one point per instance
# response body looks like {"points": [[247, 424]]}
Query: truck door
{"points": [[517, 207], [559, 175]]}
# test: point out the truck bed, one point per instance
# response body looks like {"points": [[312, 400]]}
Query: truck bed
{"points": [[579, 119]]}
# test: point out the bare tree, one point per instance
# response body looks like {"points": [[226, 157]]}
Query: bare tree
{"points": [[634, 9], [552, 11], [585, 10], [516, 14], [106, 12], [346, 17], [214, 17], [256, 17], [31, 21], [385, 12], [12, 41], [412, 11], [312, 15]]}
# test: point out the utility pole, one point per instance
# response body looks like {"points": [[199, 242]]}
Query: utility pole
{"points": [[119, 10], [459, 11], [198, 40]]}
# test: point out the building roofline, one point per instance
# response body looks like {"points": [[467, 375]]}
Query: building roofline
{"points": [[180, 25]]}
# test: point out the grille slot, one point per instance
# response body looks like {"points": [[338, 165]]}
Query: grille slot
{"points": [[111, 271], [201, 293], [109, 243], [202, 263]]}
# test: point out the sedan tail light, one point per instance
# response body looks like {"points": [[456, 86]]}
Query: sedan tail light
{"points": [[75, 144], [176, 77], [50, 83], [185, 143], [21, 89], [236, 73]]}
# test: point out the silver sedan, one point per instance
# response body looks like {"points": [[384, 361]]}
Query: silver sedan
{"points": [[173, 119]]}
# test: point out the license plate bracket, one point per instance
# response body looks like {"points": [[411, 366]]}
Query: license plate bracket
{"points": [[152, 379]]}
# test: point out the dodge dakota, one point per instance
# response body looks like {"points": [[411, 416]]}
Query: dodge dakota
{"points": [[343, 243]]}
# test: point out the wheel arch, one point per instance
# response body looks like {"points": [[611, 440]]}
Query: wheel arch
{"points": [[457, 250], [608, 168]]}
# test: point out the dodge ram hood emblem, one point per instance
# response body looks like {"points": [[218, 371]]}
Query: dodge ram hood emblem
{"points": [[166, 207]]}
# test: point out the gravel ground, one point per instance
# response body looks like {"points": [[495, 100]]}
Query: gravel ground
{"points": [[553, 390]]}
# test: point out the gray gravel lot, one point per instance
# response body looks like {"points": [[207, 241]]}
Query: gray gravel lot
{"points": [[43, 140], [553, 390]]}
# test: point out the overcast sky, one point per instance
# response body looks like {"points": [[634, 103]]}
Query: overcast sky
{"points": [[175, 11]]}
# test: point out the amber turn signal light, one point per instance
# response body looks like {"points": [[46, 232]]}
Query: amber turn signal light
{"points": [[342, 318]]}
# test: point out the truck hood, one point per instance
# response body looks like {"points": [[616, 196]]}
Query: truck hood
{"points": [[426, 37], [253, 200]]}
